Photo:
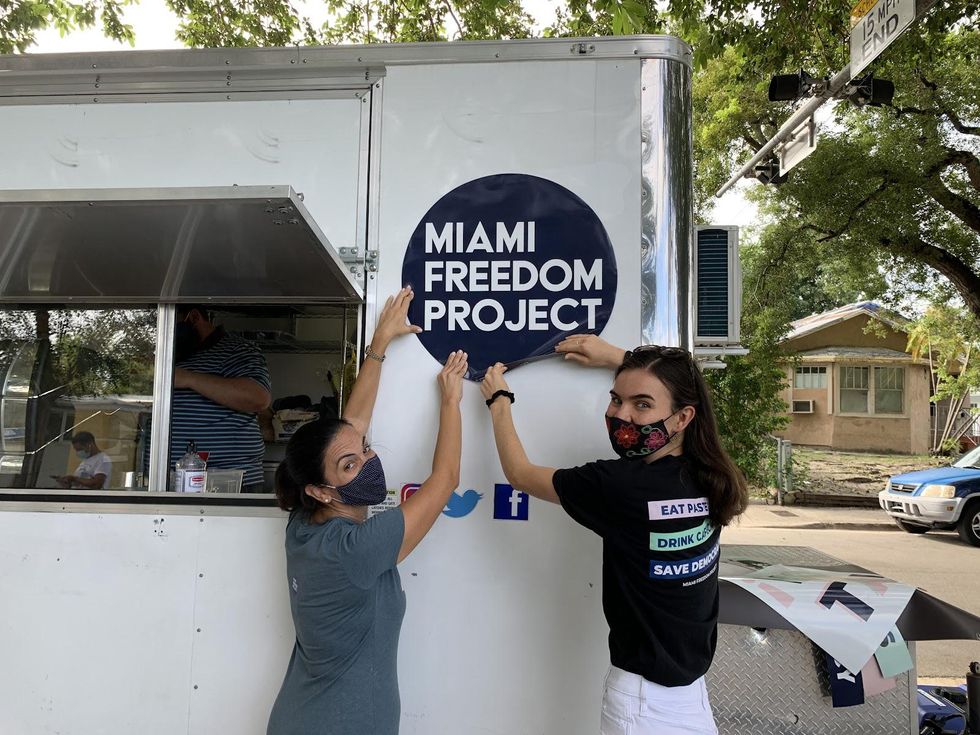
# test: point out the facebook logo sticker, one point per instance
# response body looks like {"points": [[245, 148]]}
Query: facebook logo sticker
{"points": [[509, 504]]}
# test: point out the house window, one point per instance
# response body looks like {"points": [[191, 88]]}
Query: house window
{"points": [[854, 389], [880, 390], [810, 377], [889, 389]]}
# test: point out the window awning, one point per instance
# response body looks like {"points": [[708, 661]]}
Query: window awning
{"points": [[255, 244]]}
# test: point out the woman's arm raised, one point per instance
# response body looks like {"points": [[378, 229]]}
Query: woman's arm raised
{"points": [[591, 351], [392, 323], [423, 508], [521, 474]]}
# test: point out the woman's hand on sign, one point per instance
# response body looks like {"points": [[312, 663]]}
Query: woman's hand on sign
{"points": [[393, 320], [451, 377], [493, 380], [591, 351]]}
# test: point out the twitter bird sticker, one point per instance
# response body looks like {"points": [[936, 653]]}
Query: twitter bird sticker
{"points": [[461, 505]]}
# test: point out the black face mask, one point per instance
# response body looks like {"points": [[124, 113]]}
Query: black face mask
{"points": [[632, 441], [367, 488], [185, 341]]}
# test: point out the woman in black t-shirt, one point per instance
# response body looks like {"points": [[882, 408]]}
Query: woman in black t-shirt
{"points": [[659, 510]]}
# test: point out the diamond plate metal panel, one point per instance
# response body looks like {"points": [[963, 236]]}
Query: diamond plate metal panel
{"points": [[799, 556], [772, 682]]}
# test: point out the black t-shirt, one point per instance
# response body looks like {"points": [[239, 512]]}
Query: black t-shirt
{"points": [[659, 563]]}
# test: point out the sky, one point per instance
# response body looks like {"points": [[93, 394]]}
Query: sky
{"points": [[155, 26]]}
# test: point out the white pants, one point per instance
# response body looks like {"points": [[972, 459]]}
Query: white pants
{"points": [[631, 705]]}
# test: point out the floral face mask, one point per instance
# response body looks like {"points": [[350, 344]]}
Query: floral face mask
{"points": [[632, 441]]}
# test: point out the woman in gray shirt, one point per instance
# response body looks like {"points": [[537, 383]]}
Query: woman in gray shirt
{"points": [[344, 590]]}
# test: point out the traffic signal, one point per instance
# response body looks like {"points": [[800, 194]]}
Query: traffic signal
{"points": [[767, 172], [870, 91], [787, 87]]}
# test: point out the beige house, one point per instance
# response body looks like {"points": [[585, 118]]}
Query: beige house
{"points": [[854, 387]]}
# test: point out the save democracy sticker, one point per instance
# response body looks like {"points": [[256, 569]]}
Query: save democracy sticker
{"points": [[505, 267]]}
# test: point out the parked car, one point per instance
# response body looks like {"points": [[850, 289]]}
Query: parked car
{"points": [[941, 497]]}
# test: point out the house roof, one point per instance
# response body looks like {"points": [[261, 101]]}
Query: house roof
{"points": [[816, 322], [878, 354]]}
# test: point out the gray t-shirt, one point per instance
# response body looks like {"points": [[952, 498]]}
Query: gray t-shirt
{"points": [[347, 603]]}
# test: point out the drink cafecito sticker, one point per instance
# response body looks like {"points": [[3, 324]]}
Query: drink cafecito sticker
{"points": [[505, 267]]}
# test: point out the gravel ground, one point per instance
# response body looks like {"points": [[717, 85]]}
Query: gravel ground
{"points": [[853, 473]]}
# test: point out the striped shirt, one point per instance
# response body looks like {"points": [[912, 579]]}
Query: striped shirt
{"points": [[231, 438]]}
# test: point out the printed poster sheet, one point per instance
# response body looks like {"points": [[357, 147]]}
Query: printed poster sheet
{"points": [[847, 614]]}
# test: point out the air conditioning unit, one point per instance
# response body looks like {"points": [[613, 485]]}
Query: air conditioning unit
{"points": [[718, 287], [803, 406]]}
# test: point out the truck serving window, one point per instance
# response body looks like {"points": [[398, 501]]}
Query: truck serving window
{"points": [[233, 320], [299, 359], [77, 396]]}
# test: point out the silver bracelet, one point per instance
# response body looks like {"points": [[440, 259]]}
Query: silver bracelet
{"points": [[368, 352]]}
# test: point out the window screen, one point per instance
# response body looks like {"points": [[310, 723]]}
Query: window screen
{"points": [[854, 389], [889, 389]]}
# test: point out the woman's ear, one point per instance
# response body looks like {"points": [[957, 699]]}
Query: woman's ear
{"points": [[318, 493], [684, 417]]}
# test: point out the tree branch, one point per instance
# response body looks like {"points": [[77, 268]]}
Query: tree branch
{"points": [[452, 14], [751, 141], [960, 274], [959, 206], [969, 161], [831, 234], [950, 115]]}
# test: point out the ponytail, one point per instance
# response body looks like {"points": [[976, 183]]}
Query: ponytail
{"points": [[303, 464]]}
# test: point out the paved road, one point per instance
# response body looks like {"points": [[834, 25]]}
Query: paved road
{"points": [[936, 562]]}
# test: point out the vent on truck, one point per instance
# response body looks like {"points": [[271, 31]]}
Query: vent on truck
{"points": [[717, 309]]}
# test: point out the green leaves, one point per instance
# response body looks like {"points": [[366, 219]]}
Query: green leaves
{"points": [[21, 20]]}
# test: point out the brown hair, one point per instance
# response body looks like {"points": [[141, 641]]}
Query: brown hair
{"points": [[303, 464], [716, 473]]}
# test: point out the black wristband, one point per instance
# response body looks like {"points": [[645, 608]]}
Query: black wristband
{"points": [[497, 395]]}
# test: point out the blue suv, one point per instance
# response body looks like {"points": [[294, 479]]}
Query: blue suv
{"points": [[943, 497]]}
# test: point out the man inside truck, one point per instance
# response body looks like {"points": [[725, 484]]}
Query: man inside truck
{"points": [[95, 466], [221, 383]]}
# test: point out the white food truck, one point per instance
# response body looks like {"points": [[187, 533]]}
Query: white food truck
{"points": [[526, 190]]}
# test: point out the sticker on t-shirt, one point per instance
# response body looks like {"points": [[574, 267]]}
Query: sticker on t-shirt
{"points": [[678, 508], [679, 540], [684, 568]]}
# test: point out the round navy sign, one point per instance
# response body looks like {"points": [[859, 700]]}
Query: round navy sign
{"points": [[505, 267]]}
